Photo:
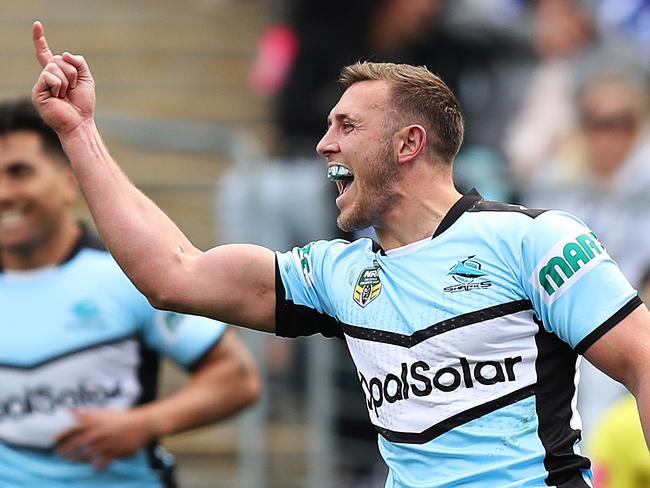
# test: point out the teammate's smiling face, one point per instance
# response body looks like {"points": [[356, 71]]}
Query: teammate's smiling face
{"points": [[36, 190], [359, 150]]}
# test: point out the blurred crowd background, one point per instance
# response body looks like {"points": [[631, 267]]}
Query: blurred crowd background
{"points": [[214, 107]]}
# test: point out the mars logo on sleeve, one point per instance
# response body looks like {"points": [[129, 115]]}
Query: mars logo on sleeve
{"points": [[565, 263]]}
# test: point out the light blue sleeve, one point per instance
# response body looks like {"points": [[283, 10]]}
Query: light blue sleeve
{"points": [[185, 339], [305, 272], [573, 283]]}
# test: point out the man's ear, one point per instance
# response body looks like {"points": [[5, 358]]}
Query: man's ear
{"points": [[411, 141]]}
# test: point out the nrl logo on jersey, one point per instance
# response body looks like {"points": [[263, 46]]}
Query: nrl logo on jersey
{"points": [[467, 274], [368, 286]]}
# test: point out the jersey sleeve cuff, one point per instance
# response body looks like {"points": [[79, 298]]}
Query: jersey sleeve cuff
{"points": [[293, 320], [191, 367], [606, 326]]}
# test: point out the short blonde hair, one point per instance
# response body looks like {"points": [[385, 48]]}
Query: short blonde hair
{"points": [[418, 94]]}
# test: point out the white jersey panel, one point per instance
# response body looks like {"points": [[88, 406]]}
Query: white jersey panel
{"points": [[35, 404], [410, 390]]}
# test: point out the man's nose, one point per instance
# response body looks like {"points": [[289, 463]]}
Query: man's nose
{"points": [[327, 145]]}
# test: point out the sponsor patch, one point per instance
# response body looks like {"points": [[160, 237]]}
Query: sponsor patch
{"points": [[567, 261]]}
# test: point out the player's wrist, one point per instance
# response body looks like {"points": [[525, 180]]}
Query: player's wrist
{"points": [[149, 422], [85, 130]]}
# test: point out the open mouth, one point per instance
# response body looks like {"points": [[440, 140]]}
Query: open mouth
{"points": [[341, 175], [10, 218]]}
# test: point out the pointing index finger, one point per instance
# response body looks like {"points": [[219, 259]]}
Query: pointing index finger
{"points": [[43, 53]]}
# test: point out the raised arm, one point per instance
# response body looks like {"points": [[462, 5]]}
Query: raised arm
{"points": [[235, 283]]}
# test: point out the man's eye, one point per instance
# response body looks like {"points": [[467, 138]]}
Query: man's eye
{"points": [[20, 170]]}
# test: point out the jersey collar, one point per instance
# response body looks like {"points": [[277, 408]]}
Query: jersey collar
{"points": [[466, 202]]}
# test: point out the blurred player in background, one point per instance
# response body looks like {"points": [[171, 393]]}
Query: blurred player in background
{"points": [[80, 350], [465, 320]]}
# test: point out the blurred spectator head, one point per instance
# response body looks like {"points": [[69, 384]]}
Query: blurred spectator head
{"points": [[613, 109], [21, 116], [37, 186], [561, 27]]}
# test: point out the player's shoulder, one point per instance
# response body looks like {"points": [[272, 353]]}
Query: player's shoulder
{"points": [[337, 248], [526, 222], [555, 225], [505, 209]]}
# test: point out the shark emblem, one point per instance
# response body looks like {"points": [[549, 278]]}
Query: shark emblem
{"points": [[466, 270]]}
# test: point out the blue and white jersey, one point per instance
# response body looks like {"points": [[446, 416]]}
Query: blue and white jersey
{"points": [[466, 345], [81, 335]]}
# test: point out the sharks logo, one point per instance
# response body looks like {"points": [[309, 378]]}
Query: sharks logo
{"points": [[467, 273]]}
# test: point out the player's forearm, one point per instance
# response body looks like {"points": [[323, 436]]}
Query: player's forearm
{"points": [[145, 242], [208, 396]]}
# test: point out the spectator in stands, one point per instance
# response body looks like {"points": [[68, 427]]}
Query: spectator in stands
{"points": [[562, 32], [80, 350]]}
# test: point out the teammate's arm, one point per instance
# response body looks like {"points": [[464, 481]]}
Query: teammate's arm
{"points": [[223, 382], [234, 284], [624, 354]]}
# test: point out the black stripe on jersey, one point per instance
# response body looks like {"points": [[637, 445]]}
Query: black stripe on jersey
{"points": [[555, 367], [488, 206], [453, 323], [606, 326], [293, 320], [72, 352], [456, 420]]}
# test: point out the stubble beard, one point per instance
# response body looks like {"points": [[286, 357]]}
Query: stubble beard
{"points": [[376, 196]]}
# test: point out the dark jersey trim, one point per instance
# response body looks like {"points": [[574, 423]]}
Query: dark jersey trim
{"points": [[606, 326], [456, 420], [148, 370], [293, 320], [489, 206], [555, 367], [87, 347], [458, 209], [453, 323], [87, 239]]}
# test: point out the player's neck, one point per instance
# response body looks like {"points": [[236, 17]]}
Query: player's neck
{"points": [[418, 214], [53, 251]]}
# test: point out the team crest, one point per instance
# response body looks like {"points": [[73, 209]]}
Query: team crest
{"points": [[368, 286], [468, 275]]}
